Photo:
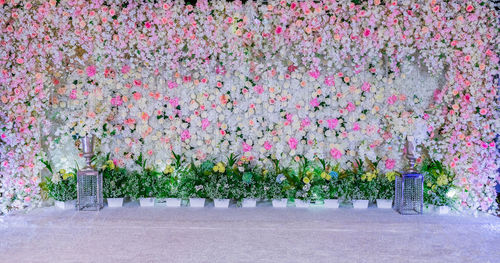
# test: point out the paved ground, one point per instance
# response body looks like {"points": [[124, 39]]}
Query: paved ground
{"points": [[262, 234]]}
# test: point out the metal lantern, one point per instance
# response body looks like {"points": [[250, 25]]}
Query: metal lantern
{"points": [[89, 180], [409, 192]]}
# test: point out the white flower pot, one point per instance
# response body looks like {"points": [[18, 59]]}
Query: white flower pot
{"points": [[331, 203], [384, 203], [221, 203], [174, 202], [65, 204], [360, 204], [249, 202], [115, 202], [196, 202], [443, 210], [280, 202], [301, 203], [147, 202], [429, 208]]}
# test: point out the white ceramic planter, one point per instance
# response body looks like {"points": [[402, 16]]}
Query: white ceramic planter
{"points": [[280, 203], [147, 202], [174, 202], [115, 202], [196, 202], [360, 204], [384, 203], [331, 203], [221, 203], [249, 202], [443, 210], [65, 204], [301, 203]]}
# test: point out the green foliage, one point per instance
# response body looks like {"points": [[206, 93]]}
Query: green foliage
{"points": [[438, 184], [62, 186]]}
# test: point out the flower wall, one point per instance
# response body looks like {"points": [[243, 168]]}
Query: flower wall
{"points": [[330, 79]]}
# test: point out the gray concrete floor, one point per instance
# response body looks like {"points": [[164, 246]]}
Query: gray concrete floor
{"points": [[262, 234]]}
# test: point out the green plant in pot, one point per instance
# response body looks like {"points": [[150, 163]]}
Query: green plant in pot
{"points": [[141, 184], [274, 185], [114, 183], [438, 185], [61, 187], [385, 189], [363, 185], [193, 183]]}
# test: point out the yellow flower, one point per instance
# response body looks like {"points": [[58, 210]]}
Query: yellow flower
{"points": [[220, 164], [442, 180], [62, 171], [222, 169], [309, 173], [429, 184], [110, 164], [324, 175], [169, 169], [264, 172], [216, 168], [306, 180], [391, 176], [67, 175], [328, 177]]}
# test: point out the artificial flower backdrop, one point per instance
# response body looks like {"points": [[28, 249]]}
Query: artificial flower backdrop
{"points": [[330, 79]]}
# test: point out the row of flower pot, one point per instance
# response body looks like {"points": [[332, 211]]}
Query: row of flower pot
{"points": [[224, 203]]}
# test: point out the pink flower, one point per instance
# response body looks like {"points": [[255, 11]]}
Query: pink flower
{"points": [[279, 30], [267, 145], [314, 102], [116, 101], [137, 95], [174, 102], [293, 5], [350, 107], [291, 68], [389, 164], [332, 123], [367, 32], [259, 89], [125, 69], [366, 86], [204, 124], [129, 121], [72, 95], [172, 85], [147, 25], [314, 73], [246, 147], [185, 135], [483, 111], [392, 99], [91, 71], [335, 153], [469, 8], [292, 142], [330, 81], [355, 126]]}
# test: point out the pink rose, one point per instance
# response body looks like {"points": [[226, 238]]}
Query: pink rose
{"points": [[335, 153], [204, 124], [392, 99], [330, 81], [91, 71], [350, 107], [314, 73], [292, 142], [367, 32], [246, 147], [332, 123], [125, 69], [267, 145], [390, 163], [279, 30], [366, 87], [259, 89], [355, 126], [314, 102], [185, 135], [172, 85]]}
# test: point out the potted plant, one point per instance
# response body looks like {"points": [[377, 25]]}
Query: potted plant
{"points": [[329, 188], [193, 184], [385, 189], [218, 186], [141, 184], [246, 182], [62, 188], [438, 186], [173, 175], [114, 181], [363, 186], [273, 187]]}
